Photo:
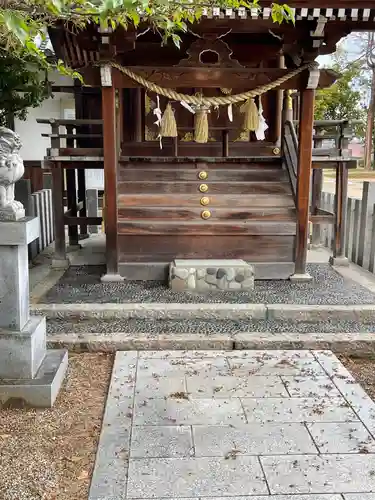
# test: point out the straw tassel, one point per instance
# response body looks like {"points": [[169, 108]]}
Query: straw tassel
{"points": [[201, 126], [168, 126], [251, 118]]}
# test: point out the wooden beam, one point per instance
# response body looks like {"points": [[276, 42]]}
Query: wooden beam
{"points": [[303, 177], [58, 212], [316, 195], [110, 177], [340, 212]]}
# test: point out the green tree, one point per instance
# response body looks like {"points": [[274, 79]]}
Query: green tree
{"points": [[22, 85], [344, 99], [22, 20]]}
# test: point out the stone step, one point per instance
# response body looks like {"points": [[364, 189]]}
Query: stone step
{"points": [[359, 343], [208, 311]]}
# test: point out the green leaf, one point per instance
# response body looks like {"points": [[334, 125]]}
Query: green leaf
{"points": [[16, 24], [176, 40]]}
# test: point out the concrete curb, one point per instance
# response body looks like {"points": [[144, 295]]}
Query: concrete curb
{"points": [[360, 344], [172, 311], [151, 311], [315, 313]]}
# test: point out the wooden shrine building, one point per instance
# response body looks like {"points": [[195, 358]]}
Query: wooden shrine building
{"points": [[227, 190]]}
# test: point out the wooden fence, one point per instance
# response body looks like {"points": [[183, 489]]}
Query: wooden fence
{"points": [[360, 227]]}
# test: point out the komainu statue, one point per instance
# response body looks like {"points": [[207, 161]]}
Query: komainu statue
{"points": [[11, 170]]}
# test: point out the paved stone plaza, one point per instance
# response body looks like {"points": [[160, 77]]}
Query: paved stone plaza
{"points": [[293, 425]]}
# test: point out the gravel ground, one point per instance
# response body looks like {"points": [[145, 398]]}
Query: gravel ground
{"points": [[363, 370], [82, 285], [49, 454], [138, 326]]}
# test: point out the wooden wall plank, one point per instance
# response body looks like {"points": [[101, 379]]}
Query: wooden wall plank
{"points": [[153, 248], [203, 227], [178, 200]]}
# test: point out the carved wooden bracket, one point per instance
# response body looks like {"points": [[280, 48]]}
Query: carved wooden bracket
{"points": [[208, 53]]}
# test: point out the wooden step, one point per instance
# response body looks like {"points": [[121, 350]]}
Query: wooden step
{"points": [[241, 188], [175, 164], [249, 201], [188, 213], [268, 174], [280, 228], [156, 248]]}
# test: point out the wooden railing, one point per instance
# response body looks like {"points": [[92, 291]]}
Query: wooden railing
{"points": [[338, 158], [74, 138], [290, 154], [360, 227]]}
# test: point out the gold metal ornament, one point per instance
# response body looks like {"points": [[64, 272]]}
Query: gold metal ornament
{"points": [[203, 188], [276, 151], [206, 214], [203, 175], [205, 201]]}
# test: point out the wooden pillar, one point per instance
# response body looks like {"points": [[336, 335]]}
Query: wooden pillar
{"points": [[303, 181], [59, 258], [279, 108], [339, 257], [110, 150], [82, 199], [71, 192], [138, 114], [316, 194]]}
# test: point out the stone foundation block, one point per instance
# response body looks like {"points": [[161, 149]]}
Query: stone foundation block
{"points": [[203, 275], [22, 352], [40, 391]]}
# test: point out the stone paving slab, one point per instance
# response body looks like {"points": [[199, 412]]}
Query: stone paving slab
{"points": [[230, 425], [223, 386], [286, 497], [298, 410], [182, 477], [319, 474], [252, 439], [361, 496], [307, 387], [342, 437], [188, 412]]}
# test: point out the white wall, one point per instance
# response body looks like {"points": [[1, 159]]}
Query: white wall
{"points": [[34, 145], [60, 106]]}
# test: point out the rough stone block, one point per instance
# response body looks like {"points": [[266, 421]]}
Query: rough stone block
{"points": [[21, 353], [202, 275], [41, 391]]}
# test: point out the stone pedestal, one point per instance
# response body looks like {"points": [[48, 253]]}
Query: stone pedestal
{"points": [[203, 275], [339, 261], [29, 374]]}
